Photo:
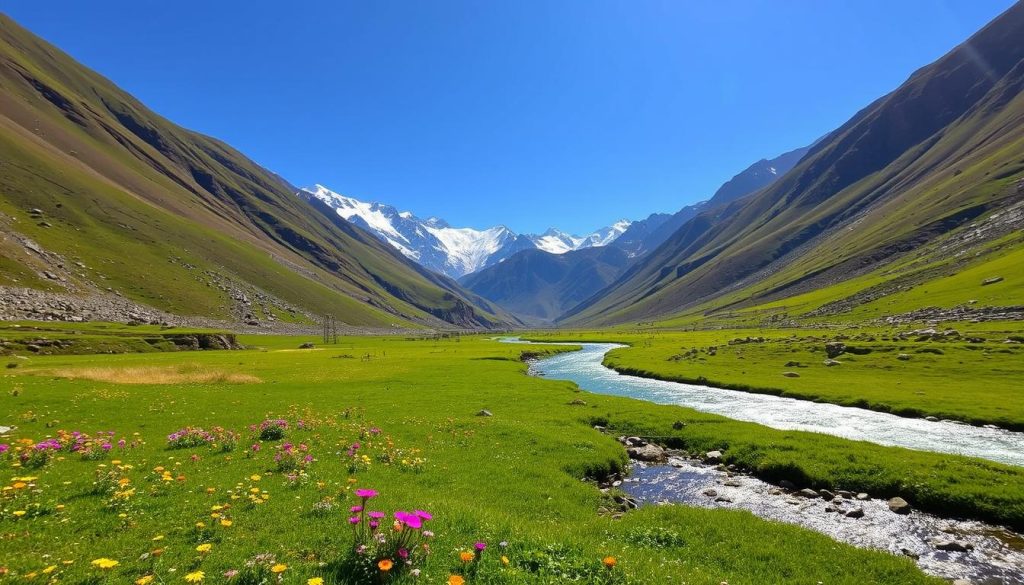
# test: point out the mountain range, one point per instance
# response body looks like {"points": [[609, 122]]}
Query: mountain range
{"points": [[914, 206], [109, 209], [448, 250]]}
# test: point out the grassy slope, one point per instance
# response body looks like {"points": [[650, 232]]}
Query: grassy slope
{"points": [[514, 476], [125, 190], [942, 149]]}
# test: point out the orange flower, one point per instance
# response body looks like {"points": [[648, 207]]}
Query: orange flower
{"points": [[456, 580], [385, 565], [610, 562], [466, 556]]}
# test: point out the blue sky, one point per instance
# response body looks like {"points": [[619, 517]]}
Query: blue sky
{"points": [[530, 113]]}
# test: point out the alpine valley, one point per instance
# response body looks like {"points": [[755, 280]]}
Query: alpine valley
{"points": [[813, 374]]}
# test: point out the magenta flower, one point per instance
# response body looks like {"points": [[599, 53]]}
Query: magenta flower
{"points": [[376, 515], [404, 553], [423, 515], [366, 494], [355, 509], [480, 546], [353, 520]]}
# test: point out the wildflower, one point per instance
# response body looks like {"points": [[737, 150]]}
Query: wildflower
{"points": [[610, 562], [404, 553], [423, 515], [230, 573], [504, 560], [279, 568], [225, 522], [353, 520], [480, 546], [315, 581], [385, 565], [355, 509], [204, 548], [376, 515], [49, 569], [503, 544], [195, 577], [144, 580], [366, 494], [456, 580], [19, 513], [466, 556], [105, 563], [415, 572]]}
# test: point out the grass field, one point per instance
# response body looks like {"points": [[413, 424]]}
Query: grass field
{"points": [[516, 477], [981, 382]]}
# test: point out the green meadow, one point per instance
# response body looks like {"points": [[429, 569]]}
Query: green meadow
{"points": [[521, 481]]}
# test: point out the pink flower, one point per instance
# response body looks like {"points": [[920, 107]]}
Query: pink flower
{"points": [[403, 553], [353, 520], [480, 546], [376, 515], [423, 515], [230, 573], [355, 509], [366, 494]]}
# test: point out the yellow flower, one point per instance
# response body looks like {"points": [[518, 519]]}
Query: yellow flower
{"points": [[279, 568], [49, 569], [105, 563], [610, 562], [255, 477], [225, 522], [19, 513], [158, 537], [466, 556], [315, 581], [145, 580], [456, 580], [504, 560], [204, 548], [195, 577]]}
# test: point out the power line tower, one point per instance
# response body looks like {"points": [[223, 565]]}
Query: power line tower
{"points": [[330, 329]]}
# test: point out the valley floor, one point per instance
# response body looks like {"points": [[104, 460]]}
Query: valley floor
{"points": [[400, 416]]}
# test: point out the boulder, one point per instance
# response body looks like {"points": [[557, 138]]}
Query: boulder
{"points": [[863, 497], [903, 357], [992, 280], [307, 345], [648, 452], [834, 348], [731, 483], [484, 412], [951, 546], [791, 374], [713, 457], [792, 364], [899, 505], [855, 513], [831, 363], [808, 493], [826, 495]]}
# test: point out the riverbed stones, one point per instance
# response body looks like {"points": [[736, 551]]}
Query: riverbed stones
{"points": [[808, 493], [826, 495], [710, 493], [725, 499], [713, 457], [731, 483], [648, 452], [855, 513], [844, 494], [863, 497], [899, 506]]}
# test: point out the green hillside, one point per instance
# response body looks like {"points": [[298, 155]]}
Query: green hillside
{"points": [[920, 185], [99, 196]]}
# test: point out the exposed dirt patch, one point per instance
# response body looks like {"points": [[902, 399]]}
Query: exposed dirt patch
{"points": [[156, 375]]}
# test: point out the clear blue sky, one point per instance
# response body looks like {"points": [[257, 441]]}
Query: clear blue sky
{"points": [[529, 113]]}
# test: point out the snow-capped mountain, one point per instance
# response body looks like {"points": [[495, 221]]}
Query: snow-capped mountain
{"points": [[453, 251]]}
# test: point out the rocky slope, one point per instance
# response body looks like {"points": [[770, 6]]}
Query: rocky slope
{"points": [[915, 167], [101, 196]]}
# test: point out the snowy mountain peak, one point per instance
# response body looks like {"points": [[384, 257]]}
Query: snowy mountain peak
{"points": [[452, 251]]}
